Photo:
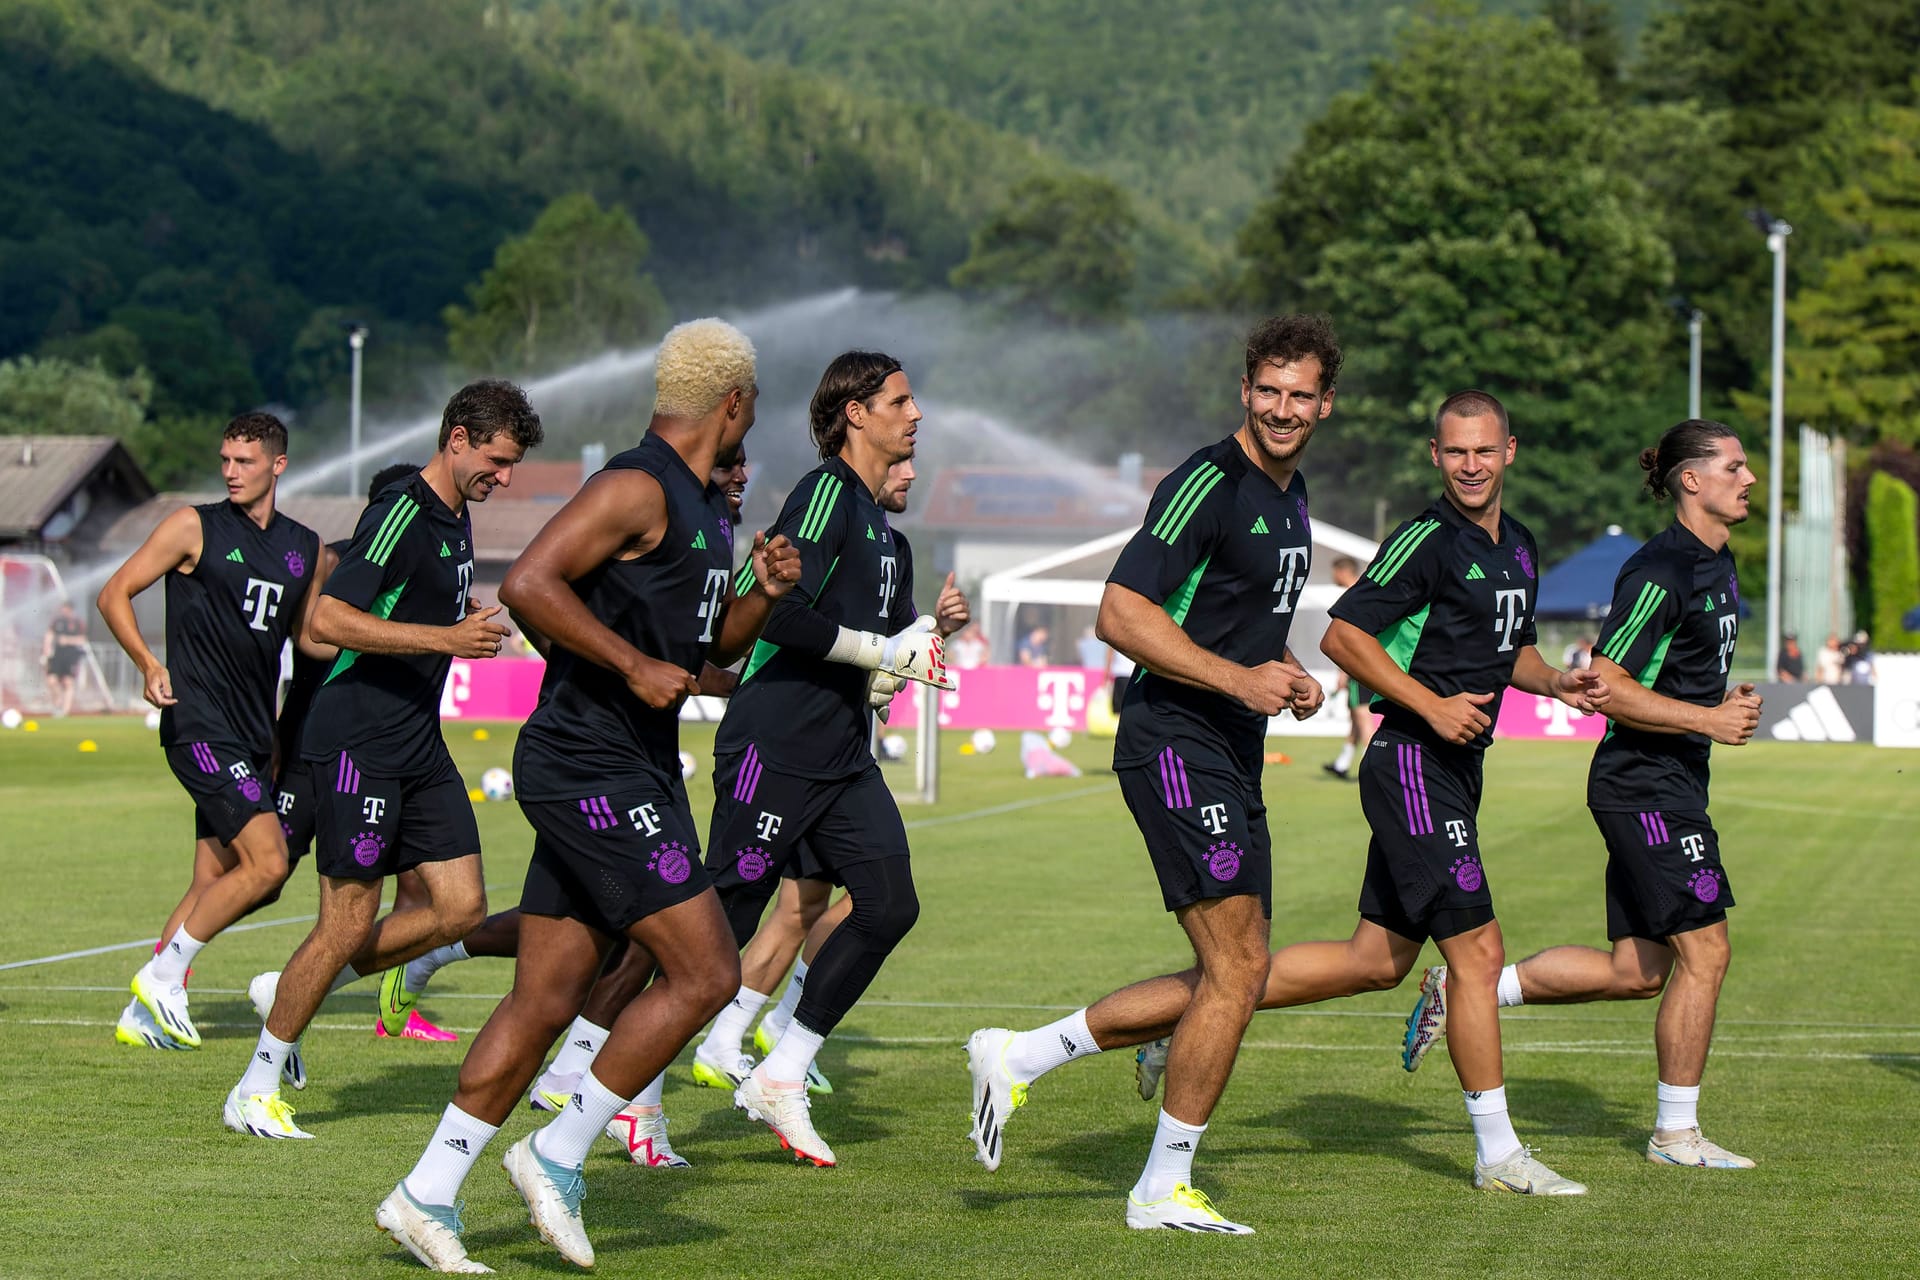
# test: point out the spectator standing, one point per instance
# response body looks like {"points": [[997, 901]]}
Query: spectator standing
{"points": [[1831, 664], [1793, 664]]}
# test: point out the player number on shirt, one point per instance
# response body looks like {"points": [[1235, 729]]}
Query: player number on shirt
{"points": [[1293, 576], [886, 586], [1507, 607], [713, 599]]}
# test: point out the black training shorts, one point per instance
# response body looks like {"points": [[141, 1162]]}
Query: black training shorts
{"points": [[1663, 873], [1205, 825], [1424, 876], [228, 786], [369, 826], [610, 861]]}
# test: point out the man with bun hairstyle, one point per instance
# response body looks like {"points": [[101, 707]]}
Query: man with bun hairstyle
{"points": [[1665, 651]]}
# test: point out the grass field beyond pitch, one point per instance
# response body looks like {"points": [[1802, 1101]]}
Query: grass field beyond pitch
{"points": [[1036, 898]]}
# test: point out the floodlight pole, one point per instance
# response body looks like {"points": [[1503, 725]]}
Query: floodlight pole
{"points": [[356, 341], [1694, 317], [1777, 233]]}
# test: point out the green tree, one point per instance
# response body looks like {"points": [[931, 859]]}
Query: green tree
{"points": [[574, 284], [1475, 230], [1893, 567], [1061, 244], [1855, 360], [57, 397]]}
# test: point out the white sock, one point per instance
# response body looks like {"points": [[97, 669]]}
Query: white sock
{"points": [[791, 1057], [170, 963], [443, 1166], [1679, 1107], [1510, 987], [421, 969], [1171, 1162], [263, 1071], [1344, 759], [1034, 1053], [648, 1099], [1493, 1136], [776, 1022], [578, 1050], [345, 978], [730, 1026], [569, 1136]]}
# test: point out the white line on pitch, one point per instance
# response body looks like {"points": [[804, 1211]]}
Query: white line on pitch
{"points": [[1576, 1048]]}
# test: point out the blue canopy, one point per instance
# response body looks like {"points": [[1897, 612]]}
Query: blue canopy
{"points": [[1581, 586]]}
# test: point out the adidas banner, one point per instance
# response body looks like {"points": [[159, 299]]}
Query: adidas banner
{"points": [[1815, 713], [1896, 700]]}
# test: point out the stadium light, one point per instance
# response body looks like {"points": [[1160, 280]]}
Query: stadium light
{"points": [[1776, 231], [356, 341]]}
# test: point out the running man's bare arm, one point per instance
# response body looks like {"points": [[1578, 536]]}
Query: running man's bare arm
{"points": [[1586, 690], [303, 628], [1730, 722], [174, 544]]}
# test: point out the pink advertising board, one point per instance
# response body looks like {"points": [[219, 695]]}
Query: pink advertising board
{"points": [[999, 698]]}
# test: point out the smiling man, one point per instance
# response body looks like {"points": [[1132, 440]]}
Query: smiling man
{"points": [[1665, 650], [1201, 599], [390, 798]]}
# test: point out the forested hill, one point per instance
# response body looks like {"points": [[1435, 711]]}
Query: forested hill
{"points": [[1191, 105], [213, 175]]}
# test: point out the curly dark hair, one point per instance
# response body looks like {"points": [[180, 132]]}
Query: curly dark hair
{"points": [[1284, 339], [853, 375], [488, 407], [264, 427], [1681, 445]]}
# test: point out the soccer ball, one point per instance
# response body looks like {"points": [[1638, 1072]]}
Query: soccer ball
{"points": [[983, 741], [11, 718], [893, 747], [153, 718], [688, 765], [496, 784], [1059, 738]]}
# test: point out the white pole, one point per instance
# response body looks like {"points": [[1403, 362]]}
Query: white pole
{"points": [[1693, 362], [356, 339], [1776, 242]]}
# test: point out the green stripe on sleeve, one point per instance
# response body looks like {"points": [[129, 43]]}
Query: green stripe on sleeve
{"points": [[389, 536], [1174, 520], [743, 580], [1616, 649], [820, 507], [1401, 551]]}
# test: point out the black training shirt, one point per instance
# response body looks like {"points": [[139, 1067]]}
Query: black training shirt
{"points": [[1225, 551], [1673, 625]]}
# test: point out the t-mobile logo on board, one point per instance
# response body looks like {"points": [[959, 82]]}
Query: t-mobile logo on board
{"points": [[1457, 832], [644, 818], [263, 602], [1508, 605], [1214, 817], [1694, 845]]}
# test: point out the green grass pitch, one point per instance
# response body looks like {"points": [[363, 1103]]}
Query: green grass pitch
{"points": [[1036, 898]]}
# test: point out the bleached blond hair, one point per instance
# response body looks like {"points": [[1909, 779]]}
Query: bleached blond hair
{"points": [[699, 362]]}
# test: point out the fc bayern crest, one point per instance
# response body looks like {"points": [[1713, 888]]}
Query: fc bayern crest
{"points": [[1524, 559], [367, 848], [296, 564], [670, 860], [751, 862]]}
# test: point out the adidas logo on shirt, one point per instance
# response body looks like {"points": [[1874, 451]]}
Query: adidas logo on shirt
{"points": [[870, 537], [235, 556], [700, 540], [443, 550], [1474, 574], [1259, 525]]}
